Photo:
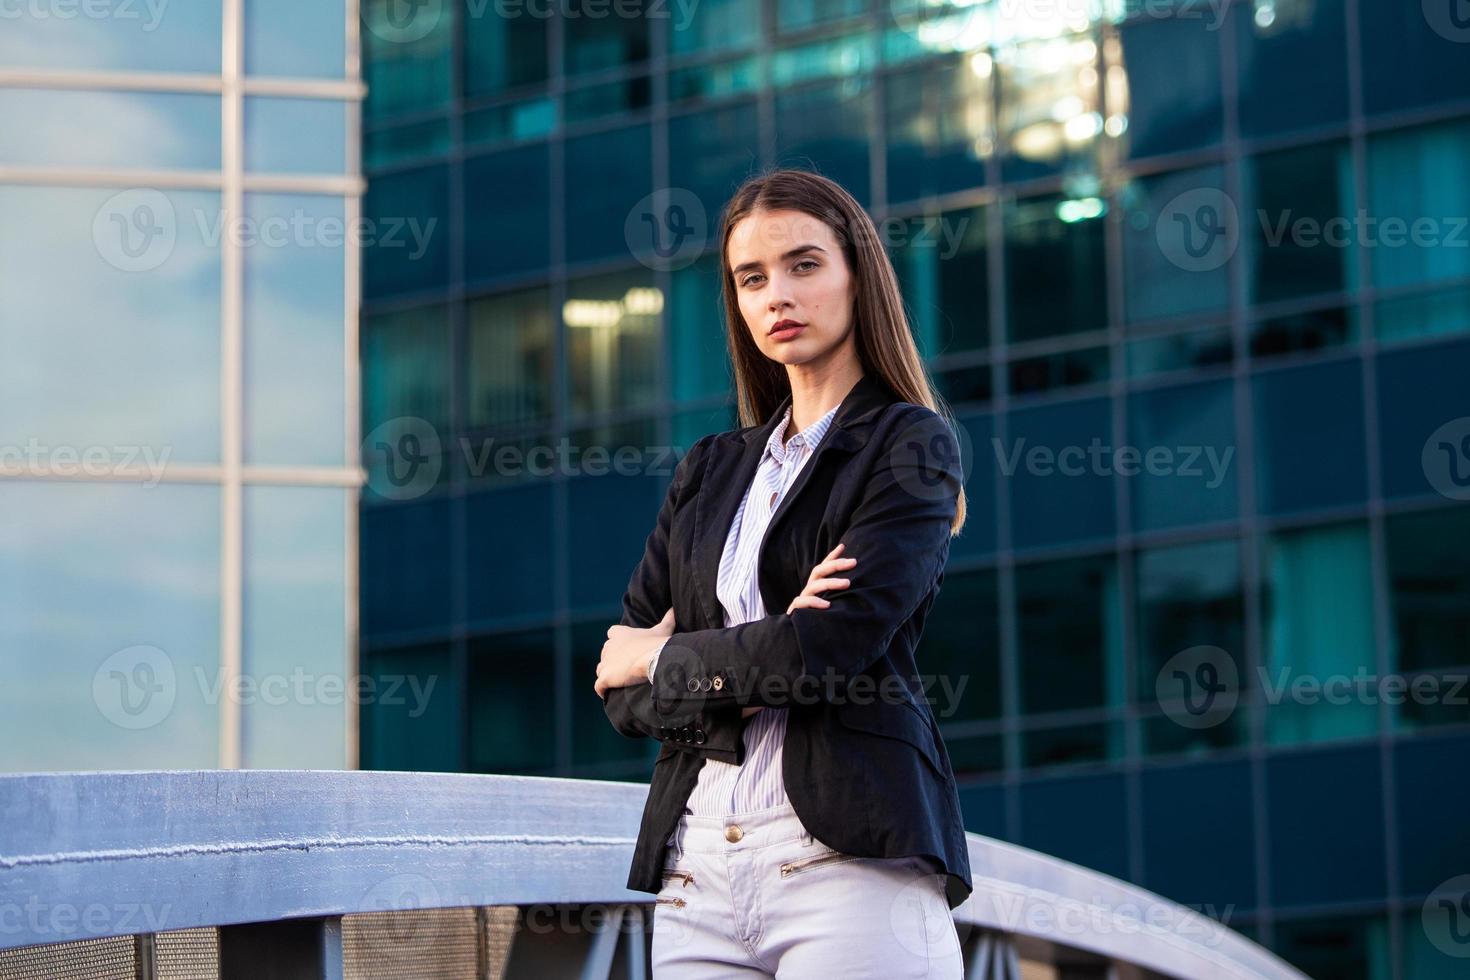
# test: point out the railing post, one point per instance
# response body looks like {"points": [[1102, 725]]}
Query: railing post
{"points": [[291, 949]]}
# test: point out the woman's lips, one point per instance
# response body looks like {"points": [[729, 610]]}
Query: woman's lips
{"points": [[787, 333]]}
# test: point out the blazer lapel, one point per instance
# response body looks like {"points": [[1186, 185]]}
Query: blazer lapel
{"points": [[732, 468]]}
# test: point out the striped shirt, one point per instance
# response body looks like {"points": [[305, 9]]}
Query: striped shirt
{"points": [[724, 788]]}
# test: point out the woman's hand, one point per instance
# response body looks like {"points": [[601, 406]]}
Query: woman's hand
{"points": [[816, 582], [626, 653]]}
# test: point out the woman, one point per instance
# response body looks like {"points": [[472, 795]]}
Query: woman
{"points": [[802, 819]]}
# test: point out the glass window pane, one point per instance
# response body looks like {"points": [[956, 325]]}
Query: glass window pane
{"points": [[1299, 241], [1423, 406], [1057, 497], [613, 341], [1326, 813], [1188, 351], [1413, 60], [149, 262], [295, 136], [405, 569], [1309, 437], [960, 651], [490, 252], [294, 346], [610, 518], [514, 122], [513, 702], [599, 38], [691, 425], [1068, 628], [1183, 805], [738, 76], [133, 37], [825, 127], [406, 232], [700, 358], [1418, 194], [1339, 946], [1430, 813], [1292, 57], [942, 266], [595, 742], [1317, 634], [940, 127], [295, 39], [602, 100], [1071, 745], [394, 144], [978, 537], [829, 58], [510, 354], [1429, 593], [391, 736], [1083, 820], [1428, 315], [407, 55], [710, 152], [794, 15], [1067, 369], [504, 48], [607, 175], [109, 130], [1185, 470], [1308, 330], [1171, 83], [516, 521], [714, 25], [1049, 104], [295, 655], [1054, 266], [109, 619], [1180, 231], [405, 367]]}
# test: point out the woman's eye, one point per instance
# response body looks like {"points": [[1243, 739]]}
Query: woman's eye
{"points": [[806, 262], [756, 275]]}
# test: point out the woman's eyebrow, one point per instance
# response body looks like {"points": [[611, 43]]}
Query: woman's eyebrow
{"points": [[784, 256]]}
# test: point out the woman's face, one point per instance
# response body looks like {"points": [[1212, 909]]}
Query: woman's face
{"points": [[788, 265]]}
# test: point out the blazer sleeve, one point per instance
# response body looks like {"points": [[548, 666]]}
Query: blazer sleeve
{"points": [[899, 533], [648, 596]]}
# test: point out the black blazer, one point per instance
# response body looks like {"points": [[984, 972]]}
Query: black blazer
{"points": [[865, 767]]}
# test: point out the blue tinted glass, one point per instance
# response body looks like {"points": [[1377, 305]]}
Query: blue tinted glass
{"points": [[1416, 55], [984, 810], [1421, 392], [394, 738], [598, 38], [825, 127], [710, 152], [148, 263], [295, 655], [1326, 819], [1429, 579], [1292, 57], [1340, 946], [837, 57], [513, 122], [594, 741], [1425, 315], [504, 47], [1054, 267], [1310, 443], [1173, 79], [607, 175], [508, 233], [940, 129], [394, 144], [405, 568], [405, 367], [1430, 811], [508, 375], [1317, 632], [793, 15], [1186, 463], [1057, 494], [613, 341], [518, 521], [512, 701], [696, 323], [406, 232], [142, 36], [961, 648], [1418, 193], [610, 518], [295, 39], [1180, 352], [163, 130], [1180, 231], [407, 53], [295, 136], [1297, 239], [978, 537], [1081, 820], [295, 354], [1050, 116], [714, 25], [942, 266], [1069, 629], [109, 625], [1183, 807]]}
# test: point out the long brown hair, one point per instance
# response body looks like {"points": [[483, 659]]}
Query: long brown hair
{"points": [[885, 341]]}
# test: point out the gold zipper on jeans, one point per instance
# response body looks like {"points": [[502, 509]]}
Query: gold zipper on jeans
{"points": [[791, 867], [688, 876], [677, 903]]}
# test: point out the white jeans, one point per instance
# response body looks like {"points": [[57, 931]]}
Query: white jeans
{"points": [[775, 902]]}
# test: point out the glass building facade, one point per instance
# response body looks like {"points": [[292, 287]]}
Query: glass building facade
{"points": [[179, 467], [1196, 279]]}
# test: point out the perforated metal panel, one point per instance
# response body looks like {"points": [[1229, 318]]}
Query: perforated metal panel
{"points": [[187, 954], [95, 959], [433, 944]]}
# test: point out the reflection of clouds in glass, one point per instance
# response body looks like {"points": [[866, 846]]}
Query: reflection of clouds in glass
{"points": [[144, 35], [295, 39], [109, 129], [99, 356], [294, 333], [87, 570]]}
